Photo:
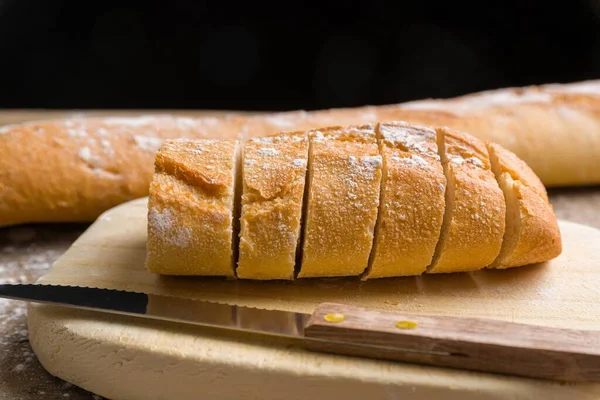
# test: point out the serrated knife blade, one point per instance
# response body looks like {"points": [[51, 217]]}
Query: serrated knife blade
{"points": [[464, 343], [167, 308]]}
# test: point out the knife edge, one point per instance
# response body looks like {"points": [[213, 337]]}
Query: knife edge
{"points": [[162, 307]]}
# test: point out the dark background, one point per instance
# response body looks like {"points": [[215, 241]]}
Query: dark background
{"points": [[287, 54]]}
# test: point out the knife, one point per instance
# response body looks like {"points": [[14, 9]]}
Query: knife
{"points": [[464, 343]]}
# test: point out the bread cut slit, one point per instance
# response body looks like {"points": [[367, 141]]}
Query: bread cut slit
{"points": [[342, 203], [474, 221], [367, 274], [532, 233], [191, 208], [237, 205], [411, 201], [306, 194], [271, 207], [448, 200]]}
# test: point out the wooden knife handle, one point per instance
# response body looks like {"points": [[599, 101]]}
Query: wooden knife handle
{"points": [[464, 343]]}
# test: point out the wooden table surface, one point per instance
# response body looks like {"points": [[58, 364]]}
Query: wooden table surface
{"points": [[27, 251]]}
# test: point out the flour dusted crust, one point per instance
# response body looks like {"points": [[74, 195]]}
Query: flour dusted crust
{"points": [[412, 201], [532, 232], [386, 200], [274, 171], [343, 198], [191, 210], [474, 219]]}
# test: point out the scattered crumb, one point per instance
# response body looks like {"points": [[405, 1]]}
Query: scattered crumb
{"points": [[19, 368]]}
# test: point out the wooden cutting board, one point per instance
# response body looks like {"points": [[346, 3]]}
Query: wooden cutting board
{"points": [[128, 358]]}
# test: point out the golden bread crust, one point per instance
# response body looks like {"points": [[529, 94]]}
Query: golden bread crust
{"points": [[532, 232], [342, 202], [539, 236], [190, 221], [423, 201], [412, 201], [474, 220], [274, 171]]}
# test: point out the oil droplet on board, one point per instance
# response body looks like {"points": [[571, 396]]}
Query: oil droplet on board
{"points": [[335, 317], [406, 324]]}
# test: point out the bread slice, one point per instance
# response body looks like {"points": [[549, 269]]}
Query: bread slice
{"points": [[474, 220], [274, 173], [344, 176], [412, 201], [532, 232], [191, 208]]}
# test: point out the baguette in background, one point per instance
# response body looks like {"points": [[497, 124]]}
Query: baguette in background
{"points": [[74, 169]]}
